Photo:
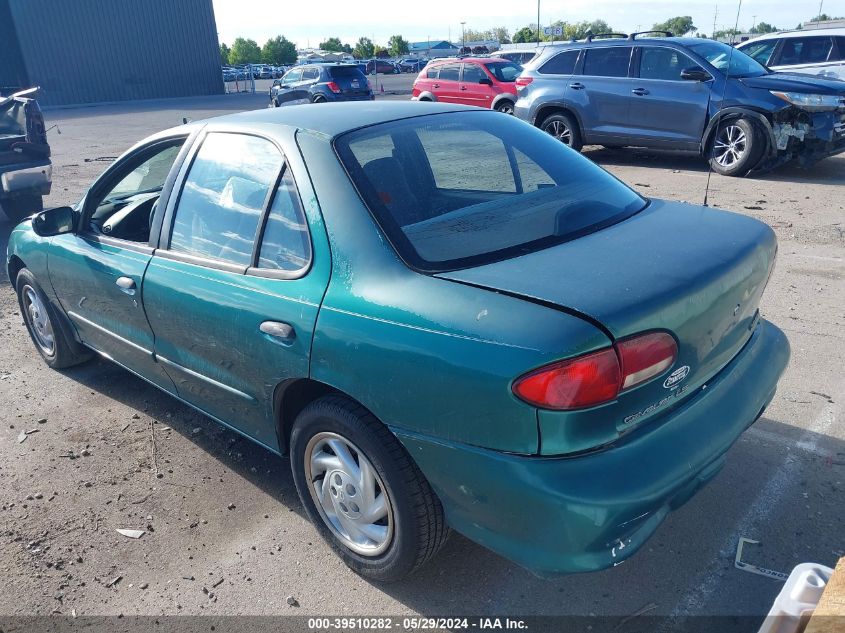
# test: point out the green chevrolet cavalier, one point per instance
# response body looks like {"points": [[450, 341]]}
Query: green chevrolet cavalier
{"points": [[442, 315]]}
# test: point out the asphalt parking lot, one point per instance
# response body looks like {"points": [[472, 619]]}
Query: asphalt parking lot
{"points": [[225, 530]]}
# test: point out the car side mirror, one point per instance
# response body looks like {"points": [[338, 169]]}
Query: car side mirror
{"points": [[56, 221], [486, 81], [695, 73]]}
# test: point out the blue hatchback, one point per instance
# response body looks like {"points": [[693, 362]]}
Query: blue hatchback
{"points": [[321, 83], [683, 94]]}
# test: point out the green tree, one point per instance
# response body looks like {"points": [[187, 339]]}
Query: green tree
{"points": [[680, 25], [525, 35], [244, 52], [397, 45], [364, 48], [278, 51], [501, 33], [580, 30], [346, 48], [763, 27], [332, 44], [824, 17], [380, 52], [224, 54]]}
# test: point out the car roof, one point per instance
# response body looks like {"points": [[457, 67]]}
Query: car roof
{"points": [[625, 41], [830, 32], [334, 119]]}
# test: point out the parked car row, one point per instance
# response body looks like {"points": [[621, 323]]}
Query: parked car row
{"points": [[674, 93], [240, 73]]}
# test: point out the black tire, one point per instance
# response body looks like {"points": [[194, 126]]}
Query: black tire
{"points": [[64, 351], [20, 207], [505, 107], [416, 516], [564, 128], [318, 99], [736, 147], [275, 102], [613, 146]]}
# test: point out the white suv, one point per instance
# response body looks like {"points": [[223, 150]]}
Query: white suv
{"points": [[809, 51]]}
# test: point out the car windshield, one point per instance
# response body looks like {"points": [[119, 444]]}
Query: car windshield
{"points": [[504, 71], [720, 55], [455, 190]]}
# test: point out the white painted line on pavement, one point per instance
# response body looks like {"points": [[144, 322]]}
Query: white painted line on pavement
{"points": [[759, 510]]}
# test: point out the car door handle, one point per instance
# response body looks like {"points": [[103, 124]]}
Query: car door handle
{"points": [[640, 92], [577, 86], [436, 85], [463, 87], [282, 331], [127, 285]]}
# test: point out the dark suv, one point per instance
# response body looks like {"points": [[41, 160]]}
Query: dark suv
{"points": [[25, 167], [683, 94], [321, 83]]}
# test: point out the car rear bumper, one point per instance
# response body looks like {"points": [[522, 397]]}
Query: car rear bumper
{"points": [[33, 177], [557, 515]]}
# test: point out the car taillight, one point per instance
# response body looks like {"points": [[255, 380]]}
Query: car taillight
{"points": [[521, 82], [646, 356], [598, 377], [334, 87]]}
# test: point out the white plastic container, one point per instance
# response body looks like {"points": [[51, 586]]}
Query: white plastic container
{"points": [[798, 599]]}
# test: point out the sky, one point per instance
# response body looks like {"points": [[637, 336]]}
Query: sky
{"points": [[308, 23]]}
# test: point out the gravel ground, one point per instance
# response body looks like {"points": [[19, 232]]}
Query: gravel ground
{"points": [[225, 533]]}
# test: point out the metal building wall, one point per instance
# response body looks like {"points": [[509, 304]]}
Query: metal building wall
{"points": [[12, 69], [89, 51]]}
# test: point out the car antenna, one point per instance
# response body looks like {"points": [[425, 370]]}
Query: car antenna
{"points": [[722, 103]]}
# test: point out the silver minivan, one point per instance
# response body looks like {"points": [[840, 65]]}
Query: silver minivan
{"points": [[809, 51]]}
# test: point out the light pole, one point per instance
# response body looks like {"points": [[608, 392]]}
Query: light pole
{"points": [[538, 23], [463, 37]]}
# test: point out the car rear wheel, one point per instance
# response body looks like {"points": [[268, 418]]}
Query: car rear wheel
{"points": [[318, 99], [362, 491], [275, 103], [19, 207], [505, 107], [42, 322], [564, 128], [736, 148]]}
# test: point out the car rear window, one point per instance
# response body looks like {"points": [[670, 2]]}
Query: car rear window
{"points": [[450, 72], [462, 189], [344, 71], [561, 64], [607, 62]]}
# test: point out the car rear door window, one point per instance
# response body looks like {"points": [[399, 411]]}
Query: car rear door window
{"points": [[450, 72], [473, 74], [804, 50], [223, 196], [431, 72], [310, 74], [561, 64], [285, 244], [839, 54], [607, 62], [658, 62], [293, 76]]}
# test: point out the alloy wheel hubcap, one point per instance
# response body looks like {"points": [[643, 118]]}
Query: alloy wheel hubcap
{"points": [[560, 131], [349, 494], [38, 320], [730, 146]]}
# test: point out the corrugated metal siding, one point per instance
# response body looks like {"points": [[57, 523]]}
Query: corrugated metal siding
{"points": [[12, 70], [89, 51]]}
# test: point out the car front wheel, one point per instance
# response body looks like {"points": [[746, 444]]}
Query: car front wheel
{"points": [[736, 149], [42, 322], [564, 128], [362, 491]]}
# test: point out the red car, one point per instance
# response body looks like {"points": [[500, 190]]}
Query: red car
{"points": [[478, 81]]}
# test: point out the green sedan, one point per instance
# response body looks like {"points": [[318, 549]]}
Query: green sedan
{"points": [[445, 318]]}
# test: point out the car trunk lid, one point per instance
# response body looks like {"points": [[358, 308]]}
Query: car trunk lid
{"points": [[350, 80], [695, 272]]}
